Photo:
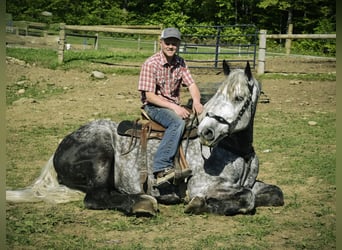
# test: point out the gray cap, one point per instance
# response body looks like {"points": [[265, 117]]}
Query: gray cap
{"points": [[170, 32]]}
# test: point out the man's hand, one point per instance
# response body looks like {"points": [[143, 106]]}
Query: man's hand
{"points": [[181, 111], [197, 107]]}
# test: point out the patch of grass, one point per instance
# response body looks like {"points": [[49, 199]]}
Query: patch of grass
{"points": [[309, 149], [41, 140], [35, 92], [123, 61], [305, 77], [24, 88], [41, 57]]}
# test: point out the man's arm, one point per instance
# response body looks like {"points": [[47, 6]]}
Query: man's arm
{"points": [[196, 97]]}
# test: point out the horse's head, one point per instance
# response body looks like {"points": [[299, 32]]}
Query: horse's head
{"points": [[232, 108]]}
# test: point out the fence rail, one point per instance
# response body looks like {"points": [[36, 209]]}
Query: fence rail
{"points": [[137, 29], [194, 51], [214, 42], [262, 44]]}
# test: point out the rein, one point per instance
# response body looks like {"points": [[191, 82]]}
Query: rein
{"points": [[188, 130]]}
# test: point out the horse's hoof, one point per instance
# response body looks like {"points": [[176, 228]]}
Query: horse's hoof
{"points": [[196, 206], [146, 207]]}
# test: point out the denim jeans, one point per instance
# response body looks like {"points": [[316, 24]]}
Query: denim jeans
{"points": [[168, 146]]}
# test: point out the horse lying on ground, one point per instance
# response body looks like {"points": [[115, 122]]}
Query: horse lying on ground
{"points": [[108, 167]]}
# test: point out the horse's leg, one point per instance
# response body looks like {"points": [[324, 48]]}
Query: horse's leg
{"points": [[224, 202], [267, 195], [231, 202], [169, 193], [130, 204]]}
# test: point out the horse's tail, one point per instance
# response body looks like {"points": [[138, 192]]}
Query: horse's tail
{"points": [[45, 188]]}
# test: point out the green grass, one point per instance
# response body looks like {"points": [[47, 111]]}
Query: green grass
{"points": [[32, 90], [41, 57], [304, 77], [310, 149]]}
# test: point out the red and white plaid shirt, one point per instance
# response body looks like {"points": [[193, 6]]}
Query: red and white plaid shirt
{"points": [[164, 79]]}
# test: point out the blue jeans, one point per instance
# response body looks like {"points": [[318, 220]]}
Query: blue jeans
{"points": [[168, 146]]}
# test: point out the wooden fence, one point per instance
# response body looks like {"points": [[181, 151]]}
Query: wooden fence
{"points": [[132, 29], [15, 30], [262, 44]]}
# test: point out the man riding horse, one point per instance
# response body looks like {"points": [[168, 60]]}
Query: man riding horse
{"points": [[160, 80]]}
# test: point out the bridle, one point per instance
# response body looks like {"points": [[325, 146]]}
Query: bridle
{"points": [[233, 124]]}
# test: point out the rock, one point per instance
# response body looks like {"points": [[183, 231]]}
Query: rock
{"points": [[21, 83], [98, 74], [24, 100], [312, 123]]}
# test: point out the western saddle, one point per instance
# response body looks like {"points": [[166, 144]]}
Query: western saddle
{"points": [[145, 128]]}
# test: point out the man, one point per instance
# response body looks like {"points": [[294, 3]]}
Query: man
{"points": [[160, 80]]}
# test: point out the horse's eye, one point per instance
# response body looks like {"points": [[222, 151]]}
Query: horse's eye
{"points": [[238, 98], [221, 120]]}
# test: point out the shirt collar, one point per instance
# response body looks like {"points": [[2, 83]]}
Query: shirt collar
{"points": [[163, 61]]}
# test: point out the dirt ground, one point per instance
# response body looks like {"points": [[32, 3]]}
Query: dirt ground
{"points": [[85, 99]]}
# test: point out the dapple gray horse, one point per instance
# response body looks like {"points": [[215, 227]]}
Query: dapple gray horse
{"points": [[107, 167], [226, 181]]}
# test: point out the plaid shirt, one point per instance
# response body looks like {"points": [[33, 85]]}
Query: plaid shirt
{"points": [[164, 79]]}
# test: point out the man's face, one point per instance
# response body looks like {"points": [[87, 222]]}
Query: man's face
{"points": [[169, 46]]}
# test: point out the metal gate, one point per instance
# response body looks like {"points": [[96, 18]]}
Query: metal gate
{"points": [[206, 46]]}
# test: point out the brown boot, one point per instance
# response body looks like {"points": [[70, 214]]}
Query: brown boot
{"points": [[164, 176], [182, 174]]}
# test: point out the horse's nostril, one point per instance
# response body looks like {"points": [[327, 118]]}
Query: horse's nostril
{"points": [[208, 134]]}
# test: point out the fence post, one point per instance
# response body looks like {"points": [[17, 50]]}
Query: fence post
{"points": [[96, 46], [61, 43], [217, 48], [262, 52], [288, 40]]}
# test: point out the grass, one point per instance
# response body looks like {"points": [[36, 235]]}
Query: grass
{"points": [[304, 77], [302, 161], [303, 144], [31, 90]]}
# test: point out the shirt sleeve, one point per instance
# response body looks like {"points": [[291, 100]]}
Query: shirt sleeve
{"points": [[187, 79], [147, 78]]}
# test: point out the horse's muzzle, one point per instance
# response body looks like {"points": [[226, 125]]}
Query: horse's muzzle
{"points": [[207, 136]]}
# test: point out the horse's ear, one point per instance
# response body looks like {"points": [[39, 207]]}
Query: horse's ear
{"points": [[248, 71], [226, 68]]}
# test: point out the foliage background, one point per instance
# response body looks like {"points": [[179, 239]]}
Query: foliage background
{"points": [[314, 16]]}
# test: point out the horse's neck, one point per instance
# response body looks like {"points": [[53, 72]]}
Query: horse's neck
{"points": [[240, 143]]}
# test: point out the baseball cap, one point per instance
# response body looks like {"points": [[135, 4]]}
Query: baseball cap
{"points": [[170, 32]]}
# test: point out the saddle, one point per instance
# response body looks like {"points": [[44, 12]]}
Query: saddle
{"points": [[155, 130], [144, 129]]}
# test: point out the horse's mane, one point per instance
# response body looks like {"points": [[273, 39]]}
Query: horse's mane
{"points": [[235, 84]]}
